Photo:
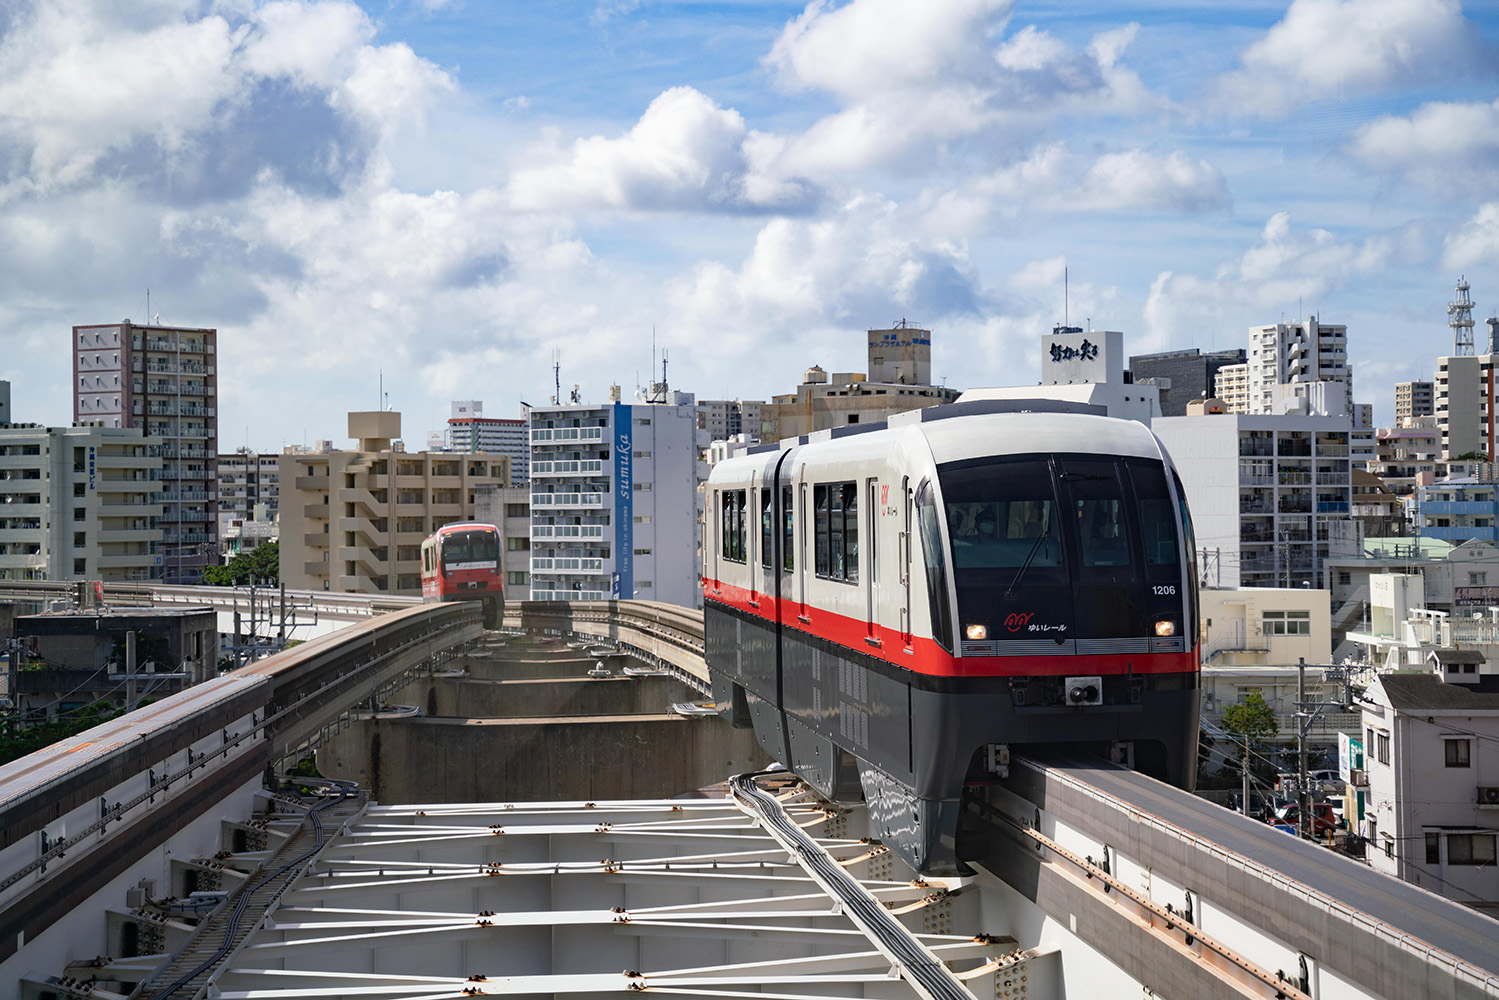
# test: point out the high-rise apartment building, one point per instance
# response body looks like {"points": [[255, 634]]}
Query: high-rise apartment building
{"points": [[354, 521], [1263, 490], [1464, 404], [79, 503], [722, 419], [161, 379], [1291, 354], [1412, 400], [246, 480], [1182, 376], [614, 502], [470, 431]]}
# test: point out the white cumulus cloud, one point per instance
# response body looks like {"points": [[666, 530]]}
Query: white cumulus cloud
{"points": [[1476, 242], [685, 152], [1346, 48], [1448, 146]]}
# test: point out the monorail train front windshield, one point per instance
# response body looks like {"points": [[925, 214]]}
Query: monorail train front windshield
{"points": [[1059, 547], [470, 550]]}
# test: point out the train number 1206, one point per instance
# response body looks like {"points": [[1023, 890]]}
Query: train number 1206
{"points": [[1167, 588]]}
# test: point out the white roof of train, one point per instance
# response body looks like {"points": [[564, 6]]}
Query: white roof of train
{"points": [[980, 435]]}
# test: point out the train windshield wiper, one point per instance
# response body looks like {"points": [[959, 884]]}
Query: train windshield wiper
{"points": [[1029, 557]]}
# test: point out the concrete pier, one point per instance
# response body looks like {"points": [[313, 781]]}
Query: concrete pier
{"points": [[525, 722]]}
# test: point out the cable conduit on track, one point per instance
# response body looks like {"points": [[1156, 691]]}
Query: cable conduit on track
{"points": [[245, 894], [926, 973]]}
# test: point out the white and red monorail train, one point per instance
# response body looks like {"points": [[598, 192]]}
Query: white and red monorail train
{"points": [[461, 562], [894, 608]]}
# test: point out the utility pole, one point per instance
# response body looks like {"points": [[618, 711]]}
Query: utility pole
{"points": [[1303, 794], [130, 671], [1245, 770]]}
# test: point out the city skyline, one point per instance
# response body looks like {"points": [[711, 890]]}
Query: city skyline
{"points": [[409, 203]]}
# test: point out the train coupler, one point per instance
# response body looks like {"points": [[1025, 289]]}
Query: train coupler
{"points": [[997, 759]]}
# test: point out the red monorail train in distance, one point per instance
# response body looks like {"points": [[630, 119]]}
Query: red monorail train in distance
{"points": [[461, 562]]}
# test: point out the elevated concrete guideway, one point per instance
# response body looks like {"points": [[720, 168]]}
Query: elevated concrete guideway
{"points": [[1186, 878]]}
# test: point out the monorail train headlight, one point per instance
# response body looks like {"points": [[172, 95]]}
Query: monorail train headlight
{"points": [[1165, 627], [976, 631]]}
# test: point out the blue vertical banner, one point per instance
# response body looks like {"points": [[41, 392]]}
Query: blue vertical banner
{"points": [[624, 506]]}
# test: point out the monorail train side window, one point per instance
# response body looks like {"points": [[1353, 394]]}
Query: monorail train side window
{"points": [[732, 506], [789, 540], [932, 554], [837, 530], [1190, 540], [767, 525]]}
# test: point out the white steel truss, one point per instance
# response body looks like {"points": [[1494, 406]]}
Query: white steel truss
{"points": [[680, 897]]}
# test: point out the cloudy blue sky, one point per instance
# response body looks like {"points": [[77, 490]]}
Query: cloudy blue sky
{"points": [[448, 191]]}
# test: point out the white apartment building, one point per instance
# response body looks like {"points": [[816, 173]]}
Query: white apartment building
{"points": [[1408, 456], [725, 419], [79, 503], [1431, 753], [1464, 387], [470, 431], [1412, 400], [1298, 353], [1231, 384], [614, 502], [1263, 491]]}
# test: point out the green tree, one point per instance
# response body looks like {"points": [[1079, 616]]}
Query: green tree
{"points": [[261, 564], [1253, 719]]}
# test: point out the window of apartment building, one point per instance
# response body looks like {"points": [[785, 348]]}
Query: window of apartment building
{"points": [[517, 510], [1433, 848], [78, 489], [80, 565], [1388, 843], [517, 544], [1287, 622], [80, 539], [79, 514], [1470, 849], [408, 553], [642, 585], [641, 454], [642, 552], [642, 421], [516, 577], [1477, 579], [641, 487], [643, 519], [1344, 579], [411, 524], [1383, 747], [1457, 753]]}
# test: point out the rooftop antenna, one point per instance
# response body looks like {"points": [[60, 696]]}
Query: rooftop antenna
{"points": [[556, 376], [1461, 319]]}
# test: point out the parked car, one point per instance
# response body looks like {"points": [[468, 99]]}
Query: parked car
{"points": [[1338, 813], [1323, 820], [1260, 808]]}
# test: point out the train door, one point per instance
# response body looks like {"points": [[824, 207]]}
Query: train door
{"points": [[872, 586], [903, 560], [801, 562], [751, 541]]}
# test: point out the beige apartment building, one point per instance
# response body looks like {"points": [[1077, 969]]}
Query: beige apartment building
{"points": [[353, 521]]}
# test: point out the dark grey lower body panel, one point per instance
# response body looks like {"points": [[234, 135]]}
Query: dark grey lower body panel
{"points": [[852, 725]]}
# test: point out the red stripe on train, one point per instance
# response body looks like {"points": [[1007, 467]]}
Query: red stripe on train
{"points": [[925, 656]]}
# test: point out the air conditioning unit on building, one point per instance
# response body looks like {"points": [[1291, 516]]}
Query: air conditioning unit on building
{"points": [[1488, 795], [1358, 777]]}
